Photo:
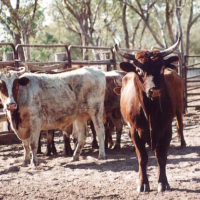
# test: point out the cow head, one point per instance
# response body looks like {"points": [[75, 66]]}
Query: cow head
{"points": [[9, 86], [149, 66]]}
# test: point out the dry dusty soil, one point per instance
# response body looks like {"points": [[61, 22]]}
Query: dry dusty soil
{"points": [[57, 177]]}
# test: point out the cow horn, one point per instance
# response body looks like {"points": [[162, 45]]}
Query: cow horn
{"points": [[21, 70], [170, 49], [124, 54]]}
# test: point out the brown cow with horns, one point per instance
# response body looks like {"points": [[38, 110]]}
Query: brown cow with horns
{"points": [[147, 108]]}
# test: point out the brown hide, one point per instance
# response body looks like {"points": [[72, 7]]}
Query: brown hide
{"points": [[111, 100], [146, 56], [174, 85]]}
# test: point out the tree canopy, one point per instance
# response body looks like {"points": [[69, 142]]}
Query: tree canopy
{"points": [[134, 24]]}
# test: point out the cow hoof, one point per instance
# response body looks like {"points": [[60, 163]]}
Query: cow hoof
{"points": [[75, 158], [183, 144], [162, 187], [117, 147], [39, 152], [143, 188], [102, 157], [35, 162], [48, 153], [68, 153], [95, 145], [25, 163]]}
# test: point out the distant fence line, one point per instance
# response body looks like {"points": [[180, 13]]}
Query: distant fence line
{"points": [[190, 73], [16, 61], [191, 81]]}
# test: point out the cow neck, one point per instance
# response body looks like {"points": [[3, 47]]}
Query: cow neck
{"points": [[14, 119], [140, 91], [157, 112]]}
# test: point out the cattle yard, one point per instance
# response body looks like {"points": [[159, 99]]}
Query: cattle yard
{"points": [[113, 178], [57, 177], [190, 72]]}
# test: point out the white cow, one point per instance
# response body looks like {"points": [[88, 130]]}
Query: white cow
{"points": [[35, 102]]}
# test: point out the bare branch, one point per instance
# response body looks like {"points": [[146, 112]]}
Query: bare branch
{"points": [[32, 17], [96, 11], [168, 13], [69, 7], [10, 8], [6, 26], [141, 36], [161, 25], [144, 17], [135, 32], [17, 4], [124, 23], [195, 19]]}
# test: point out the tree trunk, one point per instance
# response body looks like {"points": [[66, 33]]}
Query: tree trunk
{"points": [[125, 26], [28, 56], [17, 39], [169, 25], [84, 42]]}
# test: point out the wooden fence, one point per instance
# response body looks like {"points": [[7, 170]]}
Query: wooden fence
{"points": [[192, 81]]}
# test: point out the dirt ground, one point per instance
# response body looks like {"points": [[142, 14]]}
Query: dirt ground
{"points": [[57, 177]]}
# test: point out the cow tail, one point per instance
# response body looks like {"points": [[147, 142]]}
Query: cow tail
{"points": [[152, 137]]}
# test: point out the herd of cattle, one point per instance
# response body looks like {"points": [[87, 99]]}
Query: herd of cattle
{"points": [[147, 94]]}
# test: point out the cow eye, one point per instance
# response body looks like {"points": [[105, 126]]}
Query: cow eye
{"points": [[162, 70], [139, 72]]}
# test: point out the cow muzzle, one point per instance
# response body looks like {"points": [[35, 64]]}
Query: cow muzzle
{"points": [[11, 107], [153, 93]]}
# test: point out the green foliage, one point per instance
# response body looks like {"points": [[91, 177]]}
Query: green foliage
{"points": [[60, 26], [44, 54]]}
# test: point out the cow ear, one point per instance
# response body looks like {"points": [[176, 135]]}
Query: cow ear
{"points": [[127, 67], [171, 59], [23, 81], [117, 90]]}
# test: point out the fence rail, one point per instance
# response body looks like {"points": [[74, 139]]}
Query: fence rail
{"points": [[64, 64], [192, 81]]}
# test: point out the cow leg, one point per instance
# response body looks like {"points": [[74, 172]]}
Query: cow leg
{"points": [[94, 141], [161, 156], [80, 128], [39, 145], [179, 119], [67, 146], [54, 151], [142, 161], [50, 143], [35, 134], [26, 153], [99, 127], [107, 133], [108, 137], [34, 159], [119, 125]]}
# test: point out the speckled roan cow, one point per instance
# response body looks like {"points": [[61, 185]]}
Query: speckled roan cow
{"points": [[112, 115], [147, 107], [35, 102]]}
